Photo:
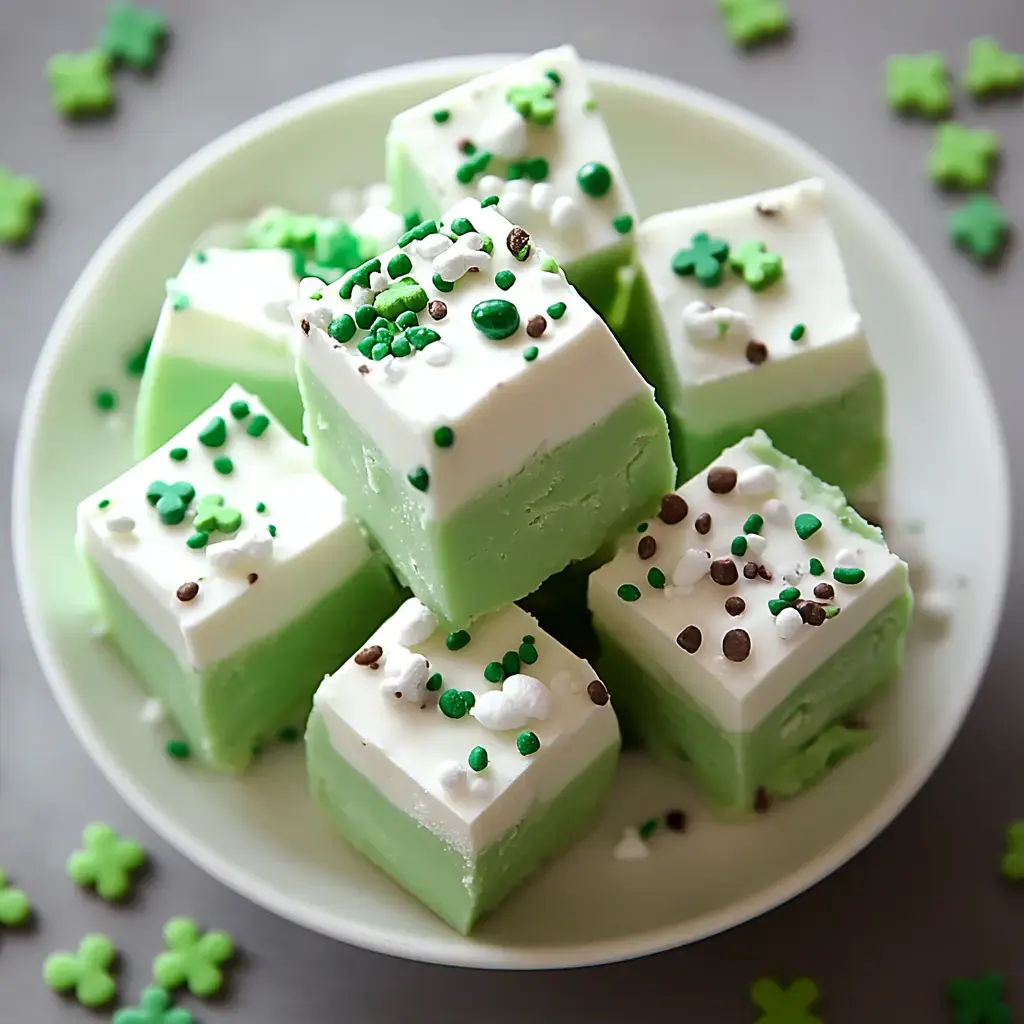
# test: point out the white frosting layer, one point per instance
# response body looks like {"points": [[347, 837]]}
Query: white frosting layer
{"points": [[236, 314], [740, 694], [417, 757], [571, 223], [503, 409], [316, 548], [718, 383]]}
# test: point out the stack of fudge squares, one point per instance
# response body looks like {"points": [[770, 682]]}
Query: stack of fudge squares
{"points": [[474, 428]]}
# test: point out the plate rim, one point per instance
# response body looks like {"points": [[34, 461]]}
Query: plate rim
{"points": [[456, 952]]}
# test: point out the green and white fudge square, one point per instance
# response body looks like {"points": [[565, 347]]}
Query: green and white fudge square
{"points": [[478, 415], [743, 319], [741, 627], [530, 134], [231, 577], [460, 762], [225, 321]]}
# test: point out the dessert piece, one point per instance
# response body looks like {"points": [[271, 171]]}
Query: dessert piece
{"points": [[230, 577], [225, 321], [530, 134], [460, 762], [742, 318], [478, 415], [742, 626]]}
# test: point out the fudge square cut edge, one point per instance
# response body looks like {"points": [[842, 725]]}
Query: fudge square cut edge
{"points": [[742, 319], [459, 763], [484, 424], [530, 134], [230, 577], [746, 622]]}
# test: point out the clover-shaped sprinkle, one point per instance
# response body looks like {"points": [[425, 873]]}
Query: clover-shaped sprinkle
{"points": [[962, 157], [703, 259], [990, 69], [1013, 858], [14, 905], [756, 264], [980, 227], [133, 35], [791, 1005], [154, 1007], [192, 958], [535, 102], [402, 296], [106, 862], [170, 500], [80, 83], [213, 514], [754, 21], [918, 84], [978, 1000], [20, 201], [86, 973]]}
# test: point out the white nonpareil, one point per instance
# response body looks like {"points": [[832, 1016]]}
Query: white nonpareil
{"points": [[705, 323], [691, 568], [240, 551]]}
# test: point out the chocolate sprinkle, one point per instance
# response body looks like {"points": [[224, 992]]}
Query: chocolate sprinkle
{"points": [[517, 240], [597, 692], [187, 592], [364, 369], [673, 509], [437, 309], [690, 639], [766, 211], [757, 352], [536, 326], [252, 577], [763, 572], [811, 612], [647, 546], [735, 605], [762, 800], [702, 524], [369, 655], [736, 645], [825, 591], [721, 479], [750, 570], [675, 821], [724, 572], [304, 324]]}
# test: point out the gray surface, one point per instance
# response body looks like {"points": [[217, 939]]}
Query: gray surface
{"points": [[923, 903]]}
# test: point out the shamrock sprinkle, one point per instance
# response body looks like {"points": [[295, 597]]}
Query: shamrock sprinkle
{"points": [[20, 201], [978, 1000], [962, 157], [790, 1005], [990, 69], [213, 514], [170, 500], [980, 228], [80, 83], [1013, 858], [758, 266], [754, 21], [106, 862], [918, 84], [534, 102], [192, 958], [703, 259], [154, 1008], [86, 972], [133, 35], [14, 905]]}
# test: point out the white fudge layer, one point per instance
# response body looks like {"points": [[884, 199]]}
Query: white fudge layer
{"points": [[783, 651], [229, 308], [708, 347], [389, 727], [316, 547], [503, 408], [571, 223]]}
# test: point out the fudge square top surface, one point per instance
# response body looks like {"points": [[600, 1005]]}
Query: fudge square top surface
{"points": [[792, 298], [737, 642], [538, 143], [258, 570], [509, 358], [397, 712]]}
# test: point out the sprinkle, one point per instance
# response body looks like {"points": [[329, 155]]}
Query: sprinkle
{"points": [[788, 623], [272, 530], [832, 611], [702, 524], [380, 350], [628, 592], [179, 454], [187, 592], [517, 241], [421, 337], [457, 640], [763, 572], [239, 410], [441, 284], [736, 645], [494, 672], [528, 651], [438, 354], [536, 326], [510, 663], [223, 465], [724, 572], [646, 547], [721, 479], [806, 525], [197, 540], [441, 116], [527, 743], [437, 309], [623, 223], [753, 523], [756, 352], [594, 179], [120, 524], [847, 575], [419, 478], [675, 820], [648, 828], [106, 862], [738, 546], [824, 591], [630, 846], [179, 750], [797, 332], [641, 528], [444, 437], [549, 265], [702, 260], [252, 578], [763, 803], [690, 639], [750, 570], [504, 279], [656, 578], [691, 568], [257, 425], [673, 509], [556, 310], [554, 76], [489, 201], [735, 605], [452, 704], [369, 655], [597, 692], [495, 318], [214, 434], [812, 613], [477, 759], [531, 353], [407, 319], [434, 682], [789, 594], [816, 568]]}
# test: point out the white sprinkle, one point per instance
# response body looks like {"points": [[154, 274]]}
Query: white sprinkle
{"points": [[775, 511], [631, 846], [788, 622], [437, 354], [528, 694], [472, 240], [691, 568], [705, 323], [405, 677], [456, 262], [431, 246], [490, 185], [496, 711], [152, 712], [756, 544], [362, 296], [565, 213], [513, 207], [542, 195], [451, 776], [503, 135], [120, 524], [378, 282], [936, 606], [416, 623], [394, 369], [758, 480], [247, 547]]}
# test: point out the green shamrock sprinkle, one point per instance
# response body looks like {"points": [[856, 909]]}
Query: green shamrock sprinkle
{"points": [[133, 35], [806, 525], [80, 83], [753, 21], [478, 759], [86, 972], [192, 959], [756, 264], [962, 157], [594, 179], [534, 102], [171, 501], [990, 69], [527, 743], [419, 478], [1013, 859], [106, 862], [918, 84], [978, 1000], [402, 296], [495, 318], [14, 905], [212, 513], [980, 228], [258, 425], [703, 259], [21, 199], [154, 1007], [790, 1005], [457, 640]]}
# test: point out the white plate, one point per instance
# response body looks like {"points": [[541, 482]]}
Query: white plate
{"points": [[259, 834]]}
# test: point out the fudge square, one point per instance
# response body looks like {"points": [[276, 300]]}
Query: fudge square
{"points": [[742, 626], [742, 319], [478, 415], [231, 578], [458, 763], [530, 134], [225, 321]]}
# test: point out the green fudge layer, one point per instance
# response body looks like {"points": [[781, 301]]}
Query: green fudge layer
{"points": [[732, 766], [558, 508], [456, 889], [226, 709], [175, 391]]}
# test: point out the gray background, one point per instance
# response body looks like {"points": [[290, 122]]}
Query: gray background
{"points": [[922, 904]]}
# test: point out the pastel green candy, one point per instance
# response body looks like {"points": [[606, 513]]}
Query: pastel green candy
{"points": [[155, 1007], [753, 21], [80, 83], [20, 201], [990, 69], [193, 958], [133, 35], [86, 972], [918, 83], [791, 1005], [962, 157], [213, 514], [14, 905], [106, 862]]}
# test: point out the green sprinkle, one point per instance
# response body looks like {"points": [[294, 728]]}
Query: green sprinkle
{"points": [[527, 651], [272, 530], [179, 750], [400, 348], [738, 545], [103, 503], [135, 363], [648, 828], [197, 540], [477, 759], [342, 328], [627, 592], [510, 663], [494, 672], [419, 478], [444, 437], [215, 433], [421, 337], [798, 331], [495, 318], [457, 640], [469, 697], [398, 265], [407, 319], [452, 704], [380, 350], [487, 245], [549, 265], [365, 315], [514, 172], [105, 400], [462, 226], [361, 275], [441, 284], [623, 223], [411, 219], [179, 301], [656, 578], [490, 201], [441, 116], [789, 594], [806, 525], [842, 574], [590, 104], [316, 296], [257, 425], [179, 454], [531, 353], [289, 734], [537, 168], [365, 346], [529, 639], [556, 310], [554, 76], [776, 606], [434, 682], [527, 743], [831, 611], [753, 523], [594, 179], [239, 410], [816, 568], [476, 164], [260, 507], [642, 528], [504, 279]]}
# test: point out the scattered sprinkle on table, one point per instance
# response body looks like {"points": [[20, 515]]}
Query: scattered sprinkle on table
{"points": [[991, 70], [918, 84], [962, 157], [192, 958], [780, 1005], [979, 1000], [21, 199], [980, 228], [15, 908], [106, 862], [133, 36], [749, 22], [155, 1007], [86, 972], [80, 83], [1012, 864]]}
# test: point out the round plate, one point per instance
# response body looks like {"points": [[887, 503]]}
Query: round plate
{"points": [[260, 834]]}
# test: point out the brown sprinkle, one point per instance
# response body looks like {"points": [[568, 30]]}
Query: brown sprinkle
{"points": [[721, 479], [364, 369], [724, 572], [762, 800], [763, 572], [517, 240], [735, 605], [757, 352], [690, 639], [750, 570], [736, 645], [702, 524], [647, 546], [304, 324], [766, 211], [437, 309], [369, 655], [252, 577], [187, 592], [536, 326], [597, 692], [824, 591], [675, 821], [811, 612], [673, 509]]}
